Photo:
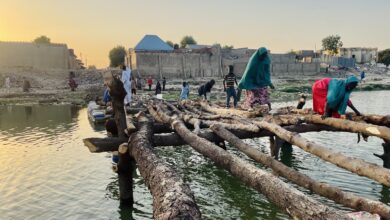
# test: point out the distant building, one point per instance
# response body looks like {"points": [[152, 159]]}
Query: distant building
{"points": [[152, 43], [38, 56], [360, 54], [153, 57]]}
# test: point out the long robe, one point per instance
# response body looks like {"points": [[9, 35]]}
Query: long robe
{"points": [[332, 92], [126, 80]]}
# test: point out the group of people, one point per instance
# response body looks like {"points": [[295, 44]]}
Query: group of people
{"points": [[330, 96]]}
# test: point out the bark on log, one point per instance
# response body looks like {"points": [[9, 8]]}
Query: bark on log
{"points": [[230, 112], [125, 168], [125, 179], [354, 165], [292, 201], [172, 198], [98, 145], [351, 126], [323, 189]]}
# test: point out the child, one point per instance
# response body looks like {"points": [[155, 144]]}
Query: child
{"points": [[228, 85], [185, 91]]}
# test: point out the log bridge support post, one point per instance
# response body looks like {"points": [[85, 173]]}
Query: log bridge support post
{"points": [[386, 154], [125, 168]]}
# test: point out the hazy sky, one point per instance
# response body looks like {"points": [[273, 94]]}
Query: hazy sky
{"points": [[93, 27]]}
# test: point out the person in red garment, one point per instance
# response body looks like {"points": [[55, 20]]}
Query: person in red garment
{"points": [[331, 96]]}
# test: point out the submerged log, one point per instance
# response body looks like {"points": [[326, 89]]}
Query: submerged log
{"points": [[292, 201], [351, 126], [386, 155], [323, 189], [172, 198], [354, 165], [125, 179]]}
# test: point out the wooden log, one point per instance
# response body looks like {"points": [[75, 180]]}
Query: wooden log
{"points": [[125, 179], [351, 126], [292, 201], [98, 145], [230, 112], [382, 120], [172, 198], [386, 155], [323, 189], [354, 165], [125, 168]]}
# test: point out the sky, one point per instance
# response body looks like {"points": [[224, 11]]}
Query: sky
{"points": [[93, 27]]}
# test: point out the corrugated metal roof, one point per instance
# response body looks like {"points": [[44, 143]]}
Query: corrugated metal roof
{"points": [[152, 43]]}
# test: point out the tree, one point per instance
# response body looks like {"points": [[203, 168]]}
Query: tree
{"points": [[92, 67], [217, 45], [187, 40], [117, 56], [228, 47], [384, 57], [332, 44], [176, 46], [170, 43], [42, 40]]}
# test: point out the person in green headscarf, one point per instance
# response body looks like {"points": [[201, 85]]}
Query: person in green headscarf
{"points": [[331, 96], [256, 79]]}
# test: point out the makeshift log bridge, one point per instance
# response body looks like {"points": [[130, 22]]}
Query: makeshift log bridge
{"points": [[204, 127]]}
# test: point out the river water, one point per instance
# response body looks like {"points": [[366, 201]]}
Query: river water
{"points": [[47, 173]]}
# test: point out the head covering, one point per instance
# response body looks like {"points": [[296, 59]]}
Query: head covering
{"points": [[338, 95], [257, 73]]}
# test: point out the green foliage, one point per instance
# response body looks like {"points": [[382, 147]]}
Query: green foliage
{"points": [[117, 56], [292, 52], [332, 44], [384, 57], [42, 40], [187, 40], [170, 43], [176, 46], [228, 47]]}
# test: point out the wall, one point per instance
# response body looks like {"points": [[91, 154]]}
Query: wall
{"points": [[176, 65], [196, 65], [40, 56]]}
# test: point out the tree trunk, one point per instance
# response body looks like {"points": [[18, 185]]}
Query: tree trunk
{"points": [[386, 155], [326, 190], [125, 178], [230, 112], [292, 201], [172, 198], [125, 168], [354, 165], [98, 145], [351, 126]]}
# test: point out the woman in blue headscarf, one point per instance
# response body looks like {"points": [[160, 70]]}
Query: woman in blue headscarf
{"points": [[331, 96], [256, 79]]}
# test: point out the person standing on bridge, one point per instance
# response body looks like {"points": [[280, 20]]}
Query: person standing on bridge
{"points": [[256, 79], [331, 96], [228, 84]]}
